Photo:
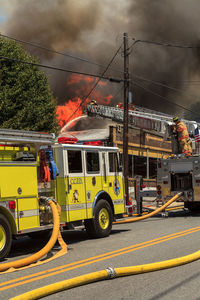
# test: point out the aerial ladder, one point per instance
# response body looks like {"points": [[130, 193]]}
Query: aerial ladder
{"points": [[141, 118], [161, 123]]}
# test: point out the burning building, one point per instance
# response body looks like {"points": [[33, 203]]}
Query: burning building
{"points": [[147, 135]]}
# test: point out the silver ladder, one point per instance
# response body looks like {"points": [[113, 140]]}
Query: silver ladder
{"points": [[140, 117], [26, 137]]}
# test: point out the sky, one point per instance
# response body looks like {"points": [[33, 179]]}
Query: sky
{"points": [[94, 29]]}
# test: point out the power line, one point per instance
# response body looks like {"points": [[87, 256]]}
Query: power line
{"points": [[85, 98], [118, 91], [56, 52], [164, 44], [166, 99], [182, 81], [60, 69], [163, 85]]}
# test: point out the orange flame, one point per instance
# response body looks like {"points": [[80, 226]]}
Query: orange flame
{"points": [[71, 108], [81, 85]]}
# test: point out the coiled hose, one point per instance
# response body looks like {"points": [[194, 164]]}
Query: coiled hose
{"points": [[29, 260]]}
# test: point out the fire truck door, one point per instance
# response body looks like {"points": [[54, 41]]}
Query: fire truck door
{"points": [[105, 182], [75, 186], [115, 182], [93, 174]]}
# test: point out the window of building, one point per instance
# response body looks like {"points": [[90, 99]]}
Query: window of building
{"points": [[74, 161], [113, 162], [137, 165], [140, 166], [131, 166], [152, 167], [92, 162]]}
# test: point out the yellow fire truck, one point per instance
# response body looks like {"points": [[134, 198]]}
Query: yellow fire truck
{"points": [[85, 180]]}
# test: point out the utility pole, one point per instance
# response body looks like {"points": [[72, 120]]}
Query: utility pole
{"points": [[125, 122]]}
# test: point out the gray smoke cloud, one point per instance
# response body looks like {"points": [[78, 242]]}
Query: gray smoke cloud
{"points": [[94, 30], [177, 22]]}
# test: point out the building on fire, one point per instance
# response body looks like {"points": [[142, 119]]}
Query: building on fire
{"points": [[148, 138]]}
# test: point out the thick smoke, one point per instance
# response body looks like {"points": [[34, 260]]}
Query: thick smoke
{"points": [[57, 24], [166, 21], [94, 30]]}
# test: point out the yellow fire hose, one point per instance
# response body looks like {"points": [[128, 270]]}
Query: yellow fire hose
{"points": [[130, 220], [110, 273], [29, 260]]}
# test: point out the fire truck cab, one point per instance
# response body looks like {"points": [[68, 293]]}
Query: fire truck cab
{"points": [[89, 186]]}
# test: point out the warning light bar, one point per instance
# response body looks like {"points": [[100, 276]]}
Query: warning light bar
{"points": [[67, 140], [94, 143]]}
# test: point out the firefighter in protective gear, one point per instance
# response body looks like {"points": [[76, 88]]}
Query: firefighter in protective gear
{"points": [[183, 137]]}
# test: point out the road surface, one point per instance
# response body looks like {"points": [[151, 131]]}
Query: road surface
{"points": [[128, 245]]}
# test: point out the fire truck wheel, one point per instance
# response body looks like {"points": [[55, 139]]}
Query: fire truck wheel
{"points": [[5, 237], [100, 226]]}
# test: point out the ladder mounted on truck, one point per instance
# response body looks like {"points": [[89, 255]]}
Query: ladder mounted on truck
{"points": [[26, 137], [140, 117]]}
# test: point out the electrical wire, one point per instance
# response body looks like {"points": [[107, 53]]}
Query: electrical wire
{"points": [[164, 98], [118, 91], [92, 89], [60, 69], [163, 85], [100, 77], [57, 52], [182, 81], [164, 44]]}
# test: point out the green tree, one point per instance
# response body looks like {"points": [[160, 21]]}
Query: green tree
{"points": [[26, 101]]}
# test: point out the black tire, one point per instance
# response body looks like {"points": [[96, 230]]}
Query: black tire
{"points": [[100, 226], [5, 237]]}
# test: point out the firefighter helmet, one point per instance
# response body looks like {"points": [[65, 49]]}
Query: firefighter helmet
{"points": [[175, 119]]}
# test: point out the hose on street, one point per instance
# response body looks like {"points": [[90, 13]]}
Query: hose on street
{"points": [[109, 273], [35, 257], [153, 213]]}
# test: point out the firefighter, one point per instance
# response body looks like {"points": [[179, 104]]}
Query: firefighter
{"points": [[93, 102], [183, 136], [120, 105]]}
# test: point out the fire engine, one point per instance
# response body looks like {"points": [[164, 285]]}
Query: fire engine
{"points": [[179, 173], [85, 180]]}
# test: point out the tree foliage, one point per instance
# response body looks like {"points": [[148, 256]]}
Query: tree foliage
{"points": [[26, 101]]}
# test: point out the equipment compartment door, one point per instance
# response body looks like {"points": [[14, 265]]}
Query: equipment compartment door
{"points": [[28, 213], [75, 186]]}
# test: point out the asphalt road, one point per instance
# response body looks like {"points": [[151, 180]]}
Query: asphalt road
{"points": [[89, 255]]}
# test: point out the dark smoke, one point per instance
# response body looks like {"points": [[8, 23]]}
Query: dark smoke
{"points": [[59, 25], [166, 21], [89, 29]]}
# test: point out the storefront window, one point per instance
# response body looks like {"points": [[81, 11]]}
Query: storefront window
{"points": [[152, 167], [140, 166]]}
